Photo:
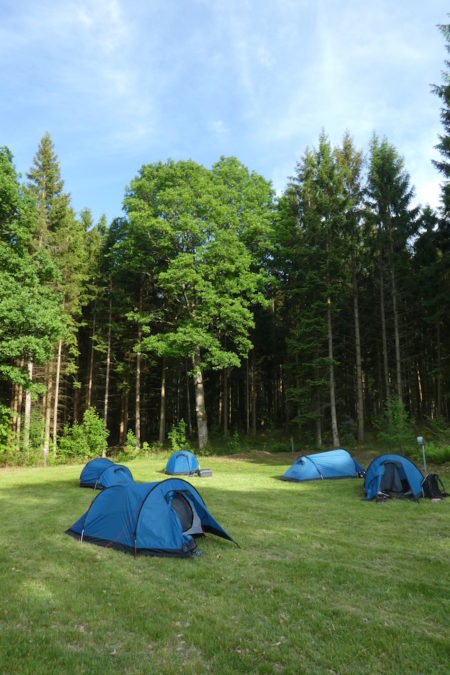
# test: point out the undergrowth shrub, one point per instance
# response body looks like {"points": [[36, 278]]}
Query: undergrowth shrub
{"points": [[394, 427], [177, 437], [131, 442], [5, 416], [88, 439], [435, 454], [234, 443]]}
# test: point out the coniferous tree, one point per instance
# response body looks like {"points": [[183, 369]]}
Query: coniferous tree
{"points": [[321, 204], [390, 197], [30, 311], [62, 236], [443, 91], [350, 161]]}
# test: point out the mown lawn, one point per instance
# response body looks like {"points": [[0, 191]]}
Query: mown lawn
{"points": [[322, 581]]}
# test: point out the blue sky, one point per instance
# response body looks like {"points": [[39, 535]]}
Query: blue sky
{"points": [[121, 83]]}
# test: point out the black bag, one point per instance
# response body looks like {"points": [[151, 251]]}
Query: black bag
{"points": [[433, 487]]}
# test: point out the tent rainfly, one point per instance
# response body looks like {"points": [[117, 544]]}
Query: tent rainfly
{"points": [[159, 519], [393, 475], [101, 473], [321, 465], [182, 463]]}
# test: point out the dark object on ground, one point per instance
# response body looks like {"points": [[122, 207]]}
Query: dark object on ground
{"points": [[204, 472], [433, 487]]}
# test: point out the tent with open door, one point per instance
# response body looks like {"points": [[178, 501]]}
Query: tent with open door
{"points": [[321, 465], [182, 463], [393, 475], [159, 519], [101, 473]]}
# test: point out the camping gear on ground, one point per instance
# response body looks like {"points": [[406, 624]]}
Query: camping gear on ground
{"points": [[101, 473], [433, 487], [203, 473], [321, 465], [182, 463], [159, 519], [394, 476]]}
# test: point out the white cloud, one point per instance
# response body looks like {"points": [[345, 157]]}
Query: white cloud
{"points": [[132, 80], [428, 192], [219, 128]]}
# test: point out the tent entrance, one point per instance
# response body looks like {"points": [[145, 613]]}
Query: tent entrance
{"points": [[187, 515], [394, 481]]}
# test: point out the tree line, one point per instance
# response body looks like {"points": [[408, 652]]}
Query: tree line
{"points": [[214, 303]]}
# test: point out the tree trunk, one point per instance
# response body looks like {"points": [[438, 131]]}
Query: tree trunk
{"points": [[19, 412], [253, 396], [108, 368], [76, 404], [16, 414], [137, 430], [359, 383], [188, 401], [334, 425], [396, 333], [439, 372], [56, 401], [225, 401], [123, 429], [247, 398], [383, 336], [319, 431], [162, 413], [318, 418], [48, 414], [91, 365], [27, 420], [200, 409]]}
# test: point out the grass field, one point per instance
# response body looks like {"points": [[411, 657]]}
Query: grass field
{"points": [[323, 582]]}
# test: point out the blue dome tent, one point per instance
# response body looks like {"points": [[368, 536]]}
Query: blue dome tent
{"points": [[157, 519], [101, 473], [321, 465], [394, 475], [182, 463]]}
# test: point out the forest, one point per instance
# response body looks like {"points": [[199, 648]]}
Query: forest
{"points": [[214, 308]]}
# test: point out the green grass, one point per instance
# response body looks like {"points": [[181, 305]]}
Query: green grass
{"points": [[322, 582]]}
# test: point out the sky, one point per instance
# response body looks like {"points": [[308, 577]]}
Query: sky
{"points": [[122, 83]]}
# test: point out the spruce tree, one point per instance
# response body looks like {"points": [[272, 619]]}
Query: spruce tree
{"points": [[443, 91], [31, 319], [61, 234], [321, 206], [390, 195]]}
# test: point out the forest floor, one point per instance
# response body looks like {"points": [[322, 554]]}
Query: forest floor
{"points": [[322, 581]]}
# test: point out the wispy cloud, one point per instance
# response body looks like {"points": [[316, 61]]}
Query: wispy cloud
{"points": [[122, 82]]}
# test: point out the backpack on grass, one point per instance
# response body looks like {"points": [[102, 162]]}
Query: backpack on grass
{"points": [[433, 487]]}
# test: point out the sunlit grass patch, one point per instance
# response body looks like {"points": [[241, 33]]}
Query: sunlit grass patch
{"points": [[322, 580]]}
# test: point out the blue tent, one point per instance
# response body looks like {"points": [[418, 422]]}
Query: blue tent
{"points": [[394, 475], [181, 463], [101, 473], [158, 519], [331, 464]]}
